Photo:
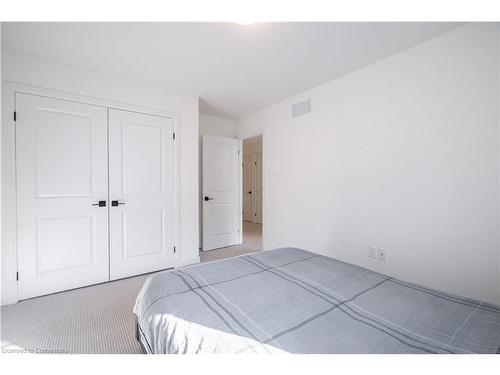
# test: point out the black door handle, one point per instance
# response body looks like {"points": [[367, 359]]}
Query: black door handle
{"points": [[208, 199], [249, 192], [100, 204], [116, 203]]}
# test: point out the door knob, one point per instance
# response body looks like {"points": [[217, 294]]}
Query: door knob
{"points": [[100, 204], [249, 192], [116, 203], [208, 199]]}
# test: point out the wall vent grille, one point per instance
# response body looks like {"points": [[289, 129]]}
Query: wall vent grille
{"points": [[301, 108]]}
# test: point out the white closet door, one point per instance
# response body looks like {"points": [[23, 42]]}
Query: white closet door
{"points": [[141, 182], [221, 190], [61, 151]]}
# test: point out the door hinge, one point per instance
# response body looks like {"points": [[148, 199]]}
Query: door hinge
{"points": [[173, 136], [17, 276], [238, 152], [15, 116], [174, 249]]}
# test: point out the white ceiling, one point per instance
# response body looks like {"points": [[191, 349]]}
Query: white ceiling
{"points": [[234, 69]]}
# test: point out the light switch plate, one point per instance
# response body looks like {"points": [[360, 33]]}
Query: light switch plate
{"points": [[372, 252]]}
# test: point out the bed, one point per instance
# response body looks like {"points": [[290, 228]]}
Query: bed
{"points": [[293, 301]]}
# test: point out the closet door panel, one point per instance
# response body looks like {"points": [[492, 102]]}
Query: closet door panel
{"points": [[141, 178], [61, 152]]}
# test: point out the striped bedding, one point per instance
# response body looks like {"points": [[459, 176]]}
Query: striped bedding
{"points": [[290, 300]]}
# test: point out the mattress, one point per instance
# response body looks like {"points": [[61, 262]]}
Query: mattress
{"points": [[293, 301]]}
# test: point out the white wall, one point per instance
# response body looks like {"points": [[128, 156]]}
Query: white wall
{"points": [[402, 155], [216, 125], [211, 125], [3, 274], [50, 74]]}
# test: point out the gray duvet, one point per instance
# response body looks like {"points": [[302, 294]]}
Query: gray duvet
{"points": [[291, 300]]}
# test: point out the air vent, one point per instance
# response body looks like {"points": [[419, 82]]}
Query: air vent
{"points": [[301, 108]]}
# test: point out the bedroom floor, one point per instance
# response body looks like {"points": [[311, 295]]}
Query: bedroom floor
{"points": [[252, 242], [94, 319]]}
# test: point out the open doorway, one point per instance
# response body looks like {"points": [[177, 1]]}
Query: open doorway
{"points": [[231, 197], [252, 192]]}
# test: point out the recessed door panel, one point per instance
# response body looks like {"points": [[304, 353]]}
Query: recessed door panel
{"points": [[61, 153], [74, 234], [142, 158], [61, 136], [143, 233], [222, 222], [141, 183]]}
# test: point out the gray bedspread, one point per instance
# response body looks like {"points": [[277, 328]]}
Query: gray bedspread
{"points": [[291, 300]]}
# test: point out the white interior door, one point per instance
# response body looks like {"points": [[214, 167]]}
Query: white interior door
{"points": [[141, 185], [61, 152], [258, 188], [220, 175], [247, 188]]}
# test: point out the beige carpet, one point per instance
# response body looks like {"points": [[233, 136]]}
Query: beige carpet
{"points": [[95, 319]]}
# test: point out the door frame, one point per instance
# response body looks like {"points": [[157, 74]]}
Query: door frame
{"points": [[9, 244]]}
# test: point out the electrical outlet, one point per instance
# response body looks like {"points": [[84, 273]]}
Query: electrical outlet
{"points": [[381, 255], [372, 252]]}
